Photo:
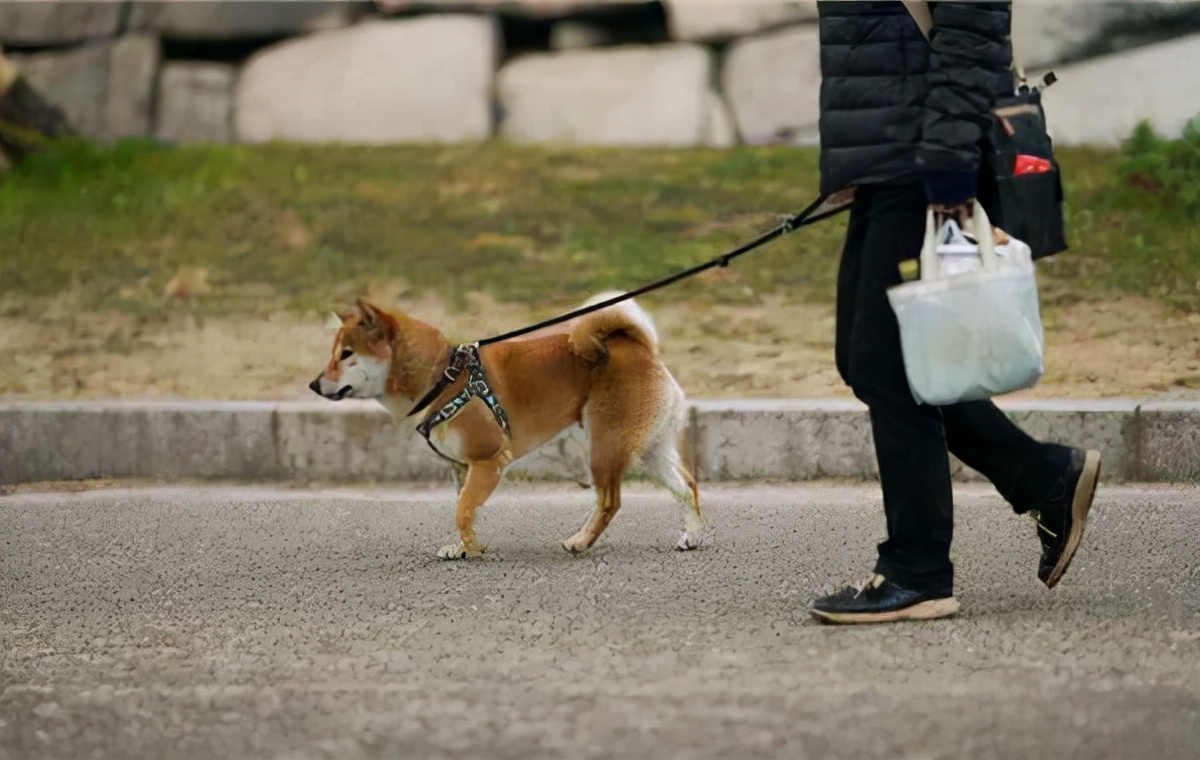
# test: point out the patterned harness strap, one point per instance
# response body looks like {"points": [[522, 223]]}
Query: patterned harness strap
{"points": [[466, 357]]}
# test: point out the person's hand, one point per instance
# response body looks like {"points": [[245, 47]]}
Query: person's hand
{"points": [[961, 212]]}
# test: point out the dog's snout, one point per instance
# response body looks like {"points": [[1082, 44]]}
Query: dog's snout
{"points": [[315, 386]]}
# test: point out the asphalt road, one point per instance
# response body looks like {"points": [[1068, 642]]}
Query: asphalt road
{"points": [[239, 623]]}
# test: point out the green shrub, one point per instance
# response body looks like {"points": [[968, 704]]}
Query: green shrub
{"points": [[1161, 174]]}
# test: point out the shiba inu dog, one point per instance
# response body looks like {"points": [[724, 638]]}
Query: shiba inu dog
{"points": [[600, 371]]}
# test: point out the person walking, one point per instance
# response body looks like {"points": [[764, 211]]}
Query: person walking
{"points": [[901, 122]]}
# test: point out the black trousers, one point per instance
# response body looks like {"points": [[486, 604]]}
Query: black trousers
{"points": [[887, 225]]}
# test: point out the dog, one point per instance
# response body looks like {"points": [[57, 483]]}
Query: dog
{"points": [[600, 371]]}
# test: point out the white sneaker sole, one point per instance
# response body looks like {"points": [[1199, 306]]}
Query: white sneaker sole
{"points": [[927, 610], [1081, 505]]}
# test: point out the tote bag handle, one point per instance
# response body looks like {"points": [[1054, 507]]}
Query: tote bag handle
{"points": [[981, 230]]}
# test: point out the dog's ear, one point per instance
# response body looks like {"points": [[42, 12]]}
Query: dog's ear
{"points": [[377, 320], [334, 321], [368, 313]]}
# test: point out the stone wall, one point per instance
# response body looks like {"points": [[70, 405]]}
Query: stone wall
{"points": [[674, 73]]}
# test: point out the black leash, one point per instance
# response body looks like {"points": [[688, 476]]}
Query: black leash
{"points": [[820, 209], [806, 217]]}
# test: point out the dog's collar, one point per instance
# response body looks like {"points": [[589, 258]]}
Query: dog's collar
{"points": [[465, 357]]}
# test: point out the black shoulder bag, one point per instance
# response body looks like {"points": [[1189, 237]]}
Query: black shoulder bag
{"points": [[1020, 181]]}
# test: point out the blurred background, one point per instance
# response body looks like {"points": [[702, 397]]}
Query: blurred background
{"points": [[189, 186], [597, 72]]}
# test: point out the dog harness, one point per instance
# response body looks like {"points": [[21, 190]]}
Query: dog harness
{"points": [[465, 357]]}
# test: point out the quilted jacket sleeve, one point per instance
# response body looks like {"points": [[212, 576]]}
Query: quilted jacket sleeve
{"points": [[969, 45]]}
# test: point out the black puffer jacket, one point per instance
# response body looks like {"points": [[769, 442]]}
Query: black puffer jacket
{"points": [[895, 108]]}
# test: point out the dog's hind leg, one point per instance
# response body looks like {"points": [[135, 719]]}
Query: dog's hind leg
{"points": [[480, 481], [662, 459], [607, 471]]}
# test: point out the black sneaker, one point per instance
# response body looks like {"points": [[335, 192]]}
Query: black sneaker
{"points": [[1061, 523], [881, 601]]}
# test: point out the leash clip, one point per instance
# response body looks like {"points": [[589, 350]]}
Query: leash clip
{"points": [[454, 367], [457, 363]]}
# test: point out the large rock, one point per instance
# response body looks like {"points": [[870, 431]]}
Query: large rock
{"points": [[773, 85], [633, 95], [428, 79], [712, 20], [1099, 102], [132, 70], [76, 82], [195, 102], [57, 22], [232, 19], [105, 88], [1047, 32]]}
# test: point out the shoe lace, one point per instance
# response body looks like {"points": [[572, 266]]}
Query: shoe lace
{"points": [[1041, 526], [875, 581]]}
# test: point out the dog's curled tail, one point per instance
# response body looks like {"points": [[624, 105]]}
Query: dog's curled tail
{"points": [[627, 318]]}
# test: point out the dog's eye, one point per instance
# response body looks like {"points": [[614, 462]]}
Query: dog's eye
{"points": [[346, 354]]}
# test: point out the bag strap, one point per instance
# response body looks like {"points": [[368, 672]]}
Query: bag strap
{"points": [[919, 10], [920, 13]]}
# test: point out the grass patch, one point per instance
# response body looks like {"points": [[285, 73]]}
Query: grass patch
{"points": [[1134, 218], [317, 224]]}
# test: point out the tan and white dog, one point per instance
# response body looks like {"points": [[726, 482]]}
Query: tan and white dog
{"points": [[601, 371]]}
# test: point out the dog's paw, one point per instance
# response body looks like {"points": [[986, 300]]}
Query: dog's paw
{"points": [[459, 551], [577, 543], [688, 541]]}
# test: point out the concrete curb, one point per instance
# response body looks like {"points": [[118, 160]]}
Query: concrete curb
{"points": [[732, 440]]}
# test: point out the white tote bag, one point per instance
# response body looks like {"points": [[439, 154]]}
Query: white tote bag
{"points": [[969, 332]]}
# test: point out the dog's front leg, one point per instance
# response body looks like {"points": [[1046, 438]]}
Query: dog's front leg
{"points": [[481, 480], [458, 473]]}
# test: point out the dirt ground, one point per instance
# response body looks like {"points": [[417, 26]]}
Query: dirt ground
{"points": [[1119, 347]]}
